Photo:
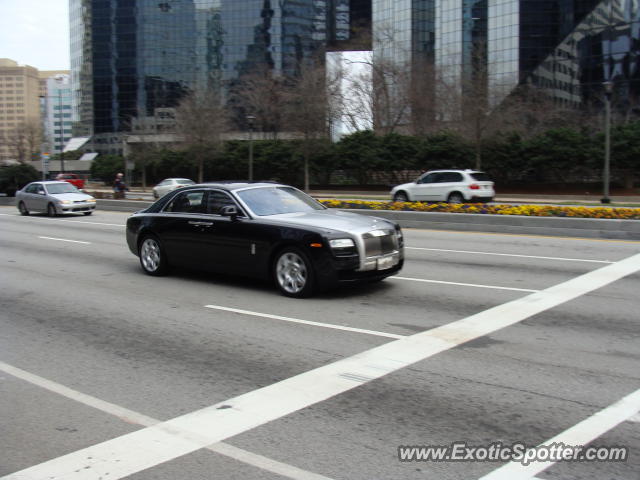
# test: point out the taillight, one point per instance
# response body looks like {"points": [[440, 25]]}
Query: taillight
{"points": [[473, 186]]}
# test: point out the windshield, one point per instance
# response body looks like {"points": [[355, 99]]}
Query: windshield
{"points": [[55, 188], [277, 200]]}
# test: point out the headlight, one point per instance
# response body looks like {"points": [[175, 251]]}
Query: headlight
{"points": [[91, 200], [65, 202], [342, 243]]}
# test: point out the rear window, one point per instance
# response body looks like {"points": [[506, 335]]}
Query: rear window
{"points": [[181, 181], [480, 176]]}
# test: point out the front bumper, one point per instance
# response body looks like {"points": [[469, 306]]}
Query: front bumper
{"points": [[76, 207]]}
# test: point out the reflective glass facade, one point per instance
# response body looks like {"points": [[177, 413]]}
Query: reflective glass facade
{"points": [[568, 47], [132, 57]]}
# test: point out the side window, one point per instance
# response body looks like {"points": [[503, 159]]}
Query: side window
{"points": [[163, 183], [217, 200], [33, 188], [187, 202], [450, 177], [430, 178]]}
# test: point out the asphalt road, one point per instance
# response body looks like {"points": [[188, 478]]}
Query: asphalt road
{"points": [[482, 338]]}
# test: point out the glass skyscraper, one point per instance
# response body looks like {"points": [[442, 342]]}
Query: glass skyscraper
{"points": [[133, 57], [567, 47]]}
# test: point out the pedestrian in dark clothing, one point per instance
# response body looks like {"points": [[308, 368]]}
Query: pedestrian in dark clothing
{"points": [[119, 187]]}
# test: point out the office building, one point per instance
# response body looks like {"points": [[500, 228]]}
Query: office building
{"points": [[19, 107], [130, 60], [57, 115], [566, 48]]}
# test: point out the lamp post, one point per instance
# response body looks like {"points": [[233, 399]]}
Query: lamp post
{"points": [[608, 88], [250, 120]]}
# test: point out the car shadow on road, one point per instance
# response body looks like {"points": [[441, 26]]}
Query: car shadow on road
{"points": [[342, 291]]}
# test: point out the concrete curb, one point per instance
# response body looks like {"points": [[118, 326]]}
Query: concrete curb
{"points": [[467, 222]]}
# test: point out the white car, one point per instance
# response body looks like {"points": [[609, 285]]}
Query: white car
{"points": [[169, 184], [452, 186], [55, 198]]}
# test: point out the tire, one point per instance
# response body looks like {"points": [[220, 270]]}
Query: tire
{"points": [[293, 273], [23, 209], [87, 213], [152, 257], [400, 197], [455, 197], [51, 210]]}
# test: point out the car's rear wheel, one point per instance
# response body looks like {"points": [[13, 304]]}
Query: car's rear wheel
{"points": [[51, 210], [23, 209], [455, 197], [294, 273], [400, 197], [152, 257]]}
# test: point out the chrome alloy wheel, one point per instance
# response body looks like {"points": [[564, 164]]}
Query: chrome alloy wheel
{"points": [[291, 272], [150, 255]]}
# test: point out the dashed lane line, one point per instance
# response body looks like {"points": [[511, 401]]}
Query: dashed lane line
{"points": [[130, 416], [537, 257], [65, 240], [305, 322], [459, 284], [163, 442]]}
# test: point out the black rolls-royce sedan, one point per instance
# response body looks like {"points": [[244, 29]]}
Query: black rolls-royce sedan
{"points": [[264, 230]]}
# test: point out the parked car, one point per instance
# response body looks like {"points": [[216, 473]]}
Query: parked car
{"points": [[54, 198], [452, 186], [72, 178], [169, 184], [264, 230]]}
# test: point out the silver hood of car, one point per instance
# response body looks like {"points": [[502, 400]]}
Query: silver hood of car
{"points": [[74, 197], [333, 220]]}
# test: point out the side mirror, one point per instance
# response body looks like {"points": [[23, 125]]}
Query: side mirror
{"points": [[229, 211], [41, 192]]}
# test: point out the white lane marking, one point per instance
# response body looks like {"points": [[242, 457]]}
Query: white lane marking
{"points": [[509, 255], [146, 448], [130, 416], [463, 284], [305, 322], [580, 434], [63, 220], [65, 240]]}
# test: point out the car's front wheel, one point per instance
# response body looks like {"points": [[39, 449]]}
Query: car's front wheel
{"points": [[400, 197], [23, 209], [51, 210], [152, 257], [87, 213], [294, 273]]}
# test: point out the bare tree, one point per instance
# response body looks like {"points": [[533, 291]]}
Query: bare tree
{"points": [[201, 119], [261, 95], [311, 100], [24, 140]]}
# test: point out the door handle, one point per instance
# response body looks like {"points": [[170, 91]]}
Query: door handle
{"points": [[200, 224]]}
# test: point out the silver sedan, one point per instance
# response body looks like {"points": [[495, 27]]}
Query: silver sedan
{"points": [[169, 184], [54, 198]]}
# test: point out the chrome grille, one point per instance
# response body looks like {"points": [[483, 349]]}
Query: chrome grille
{"points": [[380, 242]]}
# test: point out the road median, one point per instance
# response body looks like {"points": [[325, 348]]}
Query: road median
{"points": [[525, 225]]}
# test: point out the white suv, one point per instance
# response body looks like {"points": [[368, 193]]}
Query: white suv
{"points": [[453, 186]]}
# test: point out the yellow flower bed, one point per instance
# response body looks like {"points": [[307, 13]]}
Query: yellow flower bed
{"points": [[481, 208]]}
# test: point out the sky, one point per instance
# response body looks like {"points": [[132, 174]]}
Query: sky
{"points": [[35, 32]]}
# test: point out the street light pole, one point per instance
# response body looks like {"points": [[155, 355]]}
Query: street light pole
{"points": [[61, 131], [608, 88], [250, 120]]}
